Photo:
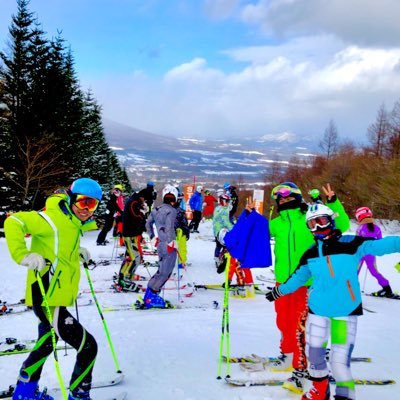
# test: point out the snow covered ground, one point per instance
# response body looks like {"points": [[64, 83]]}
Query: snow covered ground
{"points": [[173, 354]]}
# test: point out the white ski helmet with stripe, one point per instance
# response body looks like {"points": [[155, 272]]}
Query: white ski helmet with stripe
{"points": [[168, 192], [320, 220]]}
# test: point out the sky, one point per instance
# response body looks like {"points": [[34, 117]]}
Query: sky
{"points": [[231, 68]]}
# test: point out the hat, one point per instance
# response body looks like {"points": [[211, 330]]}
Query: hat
{"points": [[364, 215]]}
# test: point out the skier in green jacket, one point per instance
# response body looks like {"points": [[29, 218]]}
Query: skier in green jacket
{"points": [[55, 254], [292, 239]]}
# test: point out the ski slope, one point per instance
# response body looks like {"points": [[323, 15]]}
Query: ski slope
{"points": [[173, 354]]}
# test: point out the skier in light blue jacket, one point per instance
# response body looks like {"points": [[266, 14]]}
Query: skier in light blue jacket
{"points": [[334, 298]]}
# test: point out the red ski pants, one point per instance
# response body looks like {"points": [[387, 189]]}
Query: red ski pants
{"points": [[291, 316]]}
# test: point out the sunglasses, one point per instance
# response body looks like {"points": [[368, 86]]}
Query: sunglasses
{"points": [[283, 191], [84, 202], [318, 222]]}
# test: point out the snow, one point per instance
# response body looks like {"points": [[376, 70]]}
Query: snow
{"points": [[173, 354]]}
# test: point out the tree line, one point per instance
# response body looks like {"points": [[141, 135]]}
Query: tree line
{"points": [[50, 128], [366, 175]]}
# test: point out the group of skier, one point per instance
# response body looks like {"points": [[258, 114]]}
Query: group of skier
{"points": [[317, 294]]}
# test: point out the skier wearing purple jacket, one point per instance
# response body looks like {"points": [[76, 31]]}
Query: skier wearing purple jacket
{"points": [[369, 229]]}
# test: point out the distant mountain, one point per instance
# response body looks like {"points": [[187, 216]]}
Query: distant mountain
{"points": [[149, 156]]}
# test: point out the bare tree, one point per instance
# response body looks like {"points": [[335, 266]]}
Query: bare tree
{"points": [[393, 140], [330, 142], [379, 132], [38, 168]]}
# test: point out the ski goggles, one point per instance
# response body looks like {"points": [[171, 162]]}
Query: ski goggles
{"points": [[283, 191], [84, 202], [320, 222]]}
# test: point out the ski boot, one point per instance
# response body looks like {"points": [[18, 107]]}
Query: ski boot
{"points": [[30, 391], [153, 300], [297, 381], [319, 391], [282, 363], [80, 393], [386, 291]]}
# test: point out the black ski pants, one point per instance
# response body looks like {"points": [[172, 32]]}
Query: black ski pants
{"points": [[72, 332]]}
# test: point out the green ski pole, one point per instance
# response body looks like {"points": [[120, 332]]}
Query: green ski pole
{"points": [[225, 325], [110, 343], [53, 335]]}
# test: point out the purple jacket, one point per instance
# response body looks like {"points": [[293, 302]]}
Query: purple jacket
{"points": [[365, 232]]}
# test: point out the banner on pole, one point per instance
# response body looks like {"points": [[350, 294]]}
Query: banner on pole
{"points": [[188, 193], [258, 198]]}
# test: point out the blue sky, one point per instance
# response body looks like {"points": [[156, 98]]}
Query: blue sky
{"points": [[231, 67]]}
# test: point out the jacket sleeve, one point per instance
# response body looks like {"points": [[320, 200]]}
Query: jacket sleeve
{"points": [[17, 226], [298, 279], [342, 220], [150, 225], [379, 247]]}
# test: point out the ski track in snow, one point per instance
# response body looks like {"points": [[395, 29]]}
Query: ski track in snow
{"points": [[173, 354]]}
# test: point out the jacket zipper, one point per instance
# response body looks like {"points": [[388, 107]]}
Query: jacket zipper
{"points": [[331, 271], [350, 290], [56, 282]]}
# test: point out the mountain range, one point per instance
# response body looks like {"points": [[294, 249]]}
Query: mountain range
{"points": [[148, 156]]}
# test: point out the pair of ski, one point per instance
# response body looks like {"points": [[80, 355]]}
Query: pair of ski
{"points": [[140, 305], [13, 346], [115, 380], [232, 288], [255, 363]]}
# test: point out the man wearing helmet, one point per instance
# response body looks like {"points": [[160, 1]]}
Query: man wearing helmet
{"points": [[55, 254], [196, 205], [334, 298], [163, 217], [292, 239]]}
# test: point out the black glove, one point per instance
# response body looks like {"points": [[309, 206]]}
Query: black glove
{"points": [[274, 294]]}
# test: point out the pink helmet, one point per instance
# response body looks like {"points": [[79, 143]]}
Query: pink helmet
{"points": [[363, 212]]}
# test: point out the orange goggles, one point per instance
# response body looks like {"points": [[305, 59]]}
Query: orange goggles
{"points": [[84, 202]]}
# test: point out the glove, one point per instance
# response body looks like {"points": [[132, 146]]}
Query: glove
{"points": [[144, 209], [33, 261], [171, 246], [156, 242], [84, 254], [397, 267], [274, 294]]}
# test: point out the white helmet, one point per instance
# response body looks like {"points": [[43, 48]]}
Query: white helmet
{"points": [[171, 191], [319, 216], [199, 188]]}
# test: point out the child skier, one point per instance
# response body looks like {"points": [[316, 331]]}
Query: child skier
{"points": [[368, 228], [54, 254], [115, 208], [292, 239], [334, 298], [164, 218], [182, 231], [133, 225], [196, 205]]}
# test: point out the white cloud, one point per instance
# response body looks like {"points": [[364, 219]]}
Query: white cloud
{"points": [[363, 22], [220, 9], [278, 90]]}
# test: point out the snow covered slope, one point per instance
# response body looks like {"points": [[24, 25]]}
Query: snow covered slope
{"points": [[173, 354]]}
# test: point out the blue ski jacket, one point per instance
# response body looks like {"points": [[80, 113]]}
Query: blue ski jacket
{"points": [[196, 201], [249, 240], [335, 289]]}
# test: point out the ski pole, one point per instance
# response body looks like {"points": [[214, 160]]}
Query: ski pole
{"points": [[110, 343], [53, 333], [225, 326]]}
